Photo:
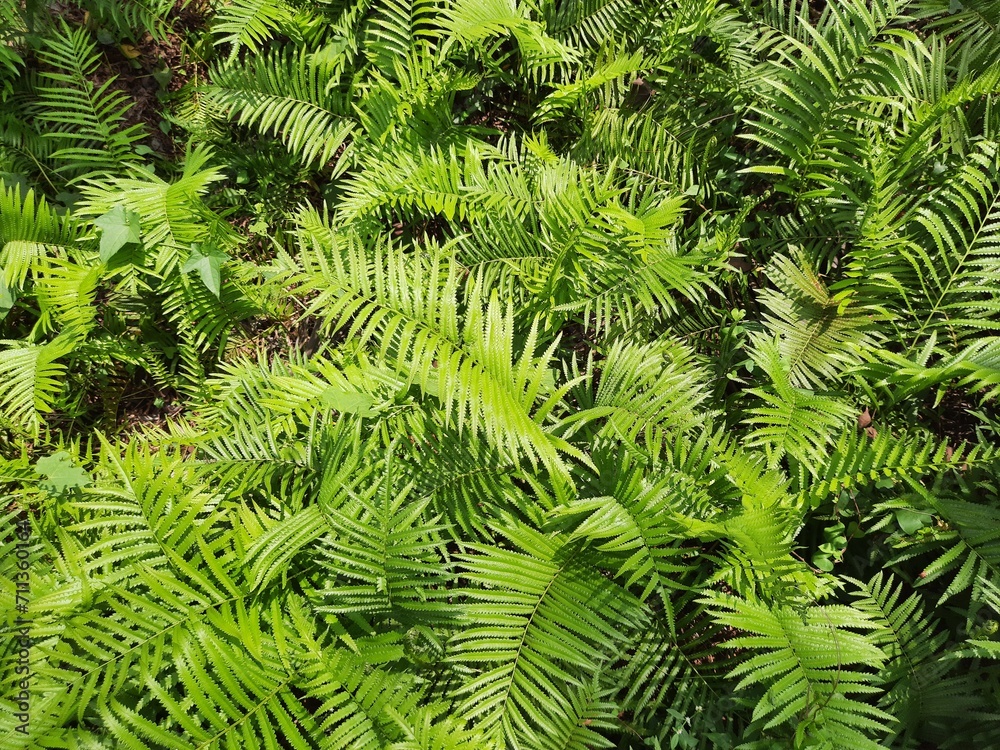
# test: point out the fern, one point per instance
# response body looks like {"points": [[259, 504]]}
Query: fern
{"points": [[397, 28], [30, 230], [848, 66], [34, 374], [954, 301], [251, 24], [475, 23], [858, 460], [521, 627], [135, 17], [791, 420], [806, 681], [469, 370], [85, 119], [473, 375], [818, 335], [288, 96]]}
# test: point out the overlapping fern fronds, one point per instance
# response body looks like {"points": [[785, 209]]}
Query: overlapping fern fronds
{"points": [[506, 375]]}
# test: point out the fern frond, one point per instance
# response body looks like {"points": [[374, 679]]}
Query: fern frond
{"points": [[173, 215], [384, 556], [681, 674], [973, 28], [476, 22], [589, 23], [65, 293], [252, 24], [636, 526], [971, 545], [824, 90], [818, 333], [34, 377], [643, 392], [466, 482], [436, 183], [288, 94], [86, 119], [30, 230], [134, 17], [912, 642], [960, 225], [857, 460], [396, 28], [406, 308], [792, 421], [553, 620], [807, 683]]}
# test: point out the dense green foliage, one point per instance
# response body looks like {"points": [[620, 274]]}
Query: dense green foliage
{"points": [[480, 374]]}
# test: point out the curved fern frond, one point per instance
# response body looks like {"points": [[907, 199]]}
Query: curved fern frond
{"points": [[818, 333], [290, 95], [555, 620], [962, 224], [479, 21], [30, 230], [639, 526], [407, 310], [973, 28], [86, 119], [792, 421], [252, 24], [971, 545], [807, 684], [588, 23], [385, 556], [821, 92], [911, 641], [436, 183], [396, 28], [173, 215], [34, 377], [135, 17], [642, 393], [857, 460]]}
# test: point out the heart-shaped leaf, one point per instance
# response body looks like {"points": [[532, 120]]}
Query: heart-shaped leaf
{"points": [[910, 521], [347, 402], [60, 474], [823, 562], [208, 264], [119, 227]]}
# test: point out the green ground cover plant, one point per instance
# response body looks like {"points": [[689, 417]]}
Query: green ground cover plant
{"points": [[487, 374]]}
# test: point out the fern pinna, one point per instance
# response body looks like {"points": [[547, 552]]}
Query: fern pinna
{"points": [[557, 375]]}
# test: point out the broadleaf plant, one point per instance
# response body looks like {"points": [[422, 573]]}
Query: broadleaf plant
{"points": [[119, 227]]}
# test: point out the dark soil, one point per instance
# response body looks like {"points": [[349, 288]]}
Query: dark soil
{"points": [[580, 340], [147, 405], [278, 338], [952, 418]]}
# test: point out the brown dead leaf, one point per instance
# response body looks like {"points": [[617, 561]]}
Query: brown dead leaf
{"points": [[871, 432], [641, 92], [864, 419]]}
